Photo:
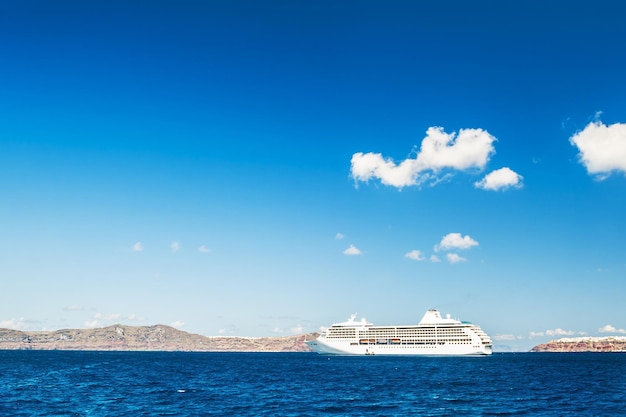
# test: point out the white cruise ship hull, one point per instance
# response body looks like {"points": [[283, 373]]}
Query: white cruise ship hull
{"points": [[377, 349]]}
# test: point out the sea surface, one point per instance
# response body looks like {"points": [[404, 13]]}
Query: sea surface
{"points": [[62, 383]]}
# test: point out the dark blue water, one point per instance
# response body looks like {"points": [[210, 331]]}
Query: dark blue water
{"points": [[38, 383]]}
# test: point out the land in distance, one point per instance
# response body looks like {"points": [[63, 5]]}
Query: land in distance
{"points": [[159, 337], [584, 344]]}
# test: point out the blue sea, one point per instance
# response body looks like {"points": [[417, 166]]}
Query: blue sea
{"points": [[62, 383]]}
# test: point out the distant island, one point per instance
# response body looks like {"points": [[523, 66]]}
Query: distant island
{"points": [[159, 337], [584, 344]]}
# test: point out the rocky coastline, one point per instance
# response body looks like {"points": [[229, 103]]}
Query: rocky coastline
{"points": [[159, 337]]}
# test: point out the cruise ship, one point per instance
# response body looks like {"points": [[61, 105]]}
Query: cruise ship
{"points": [[433, 335]]}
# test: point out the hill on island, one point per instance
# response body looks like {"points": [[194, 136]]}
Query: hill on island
{"points": [[159, 337], [584, 344]]}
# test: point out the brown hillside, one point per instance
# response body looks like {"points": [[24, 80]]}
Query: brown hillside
{"points": [[154, 338]]}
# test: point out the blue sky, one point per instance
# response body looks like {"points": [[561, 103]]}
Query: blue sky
{"points": [[255, 169]]}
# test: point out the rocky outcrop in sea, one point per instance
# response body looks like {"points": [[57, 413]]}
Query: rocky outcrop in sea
{"points": [[584, 344]]}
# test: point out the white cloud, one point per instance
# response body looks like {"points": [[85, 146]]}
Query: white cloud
{"points": [[16, 324], [177, 324], [204, 249], [277, 330], [175, 246], [92, 324], [297, 329], [415, 255], [504, 337], [373, 165], [471, 149], [536, 334], [138, 247], [602, 148], [339, 236], [455, 241], [434, 258], [559, 332], [453, 258], [352, 250], [439, 150], [611, 329], [111, 316], [500, 179]]}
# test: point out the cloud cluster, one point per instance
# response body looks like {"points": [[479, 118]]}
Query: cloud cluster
{"points": [[555, 332], [13, 323], [439, 151], [507, 337], [611, 329], [602, 149], [559, 332], [175, 247], [451, 241], [102, 320]]}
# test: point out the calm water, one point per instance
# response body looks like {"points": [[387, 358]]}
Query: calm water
{"points": [[36, 383]]}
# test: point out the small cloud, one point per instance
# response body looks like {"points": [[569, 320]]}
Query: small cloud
{"points": [[339, 236], [352, 250], [221, 331], [434, 259], [92, 324], [453, 258], [277, 330], [455, 241], [73, 308], [177, 324], [297, 329], [415, 255], [559, 332], [439, 150], [536, 334], [500, 179], [611, 329], [138, 247], [135, 317], [204, 249], [505, 337], [175, 246], [103, 319], [15, 324], [602, 149]]}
